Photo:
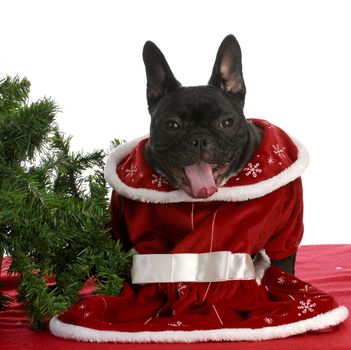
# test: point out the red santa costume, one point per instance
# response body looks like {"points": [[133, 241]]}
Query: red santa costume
{"points": [[193, 277]]}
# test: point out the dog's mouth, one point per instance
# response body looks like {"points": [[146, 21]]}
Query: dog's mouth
{"points": [[201, 179]]}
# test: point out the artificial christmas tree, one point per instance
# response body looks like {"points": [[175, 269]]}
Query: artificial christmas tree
{"points": [[53, 209]]}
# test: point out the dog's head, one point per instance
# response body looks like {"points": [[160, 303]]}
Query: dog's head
{"points": [[198, 135]]}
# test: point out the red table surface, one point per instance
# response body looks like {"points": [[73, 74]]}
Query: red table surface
{"points": [[327, 267]]}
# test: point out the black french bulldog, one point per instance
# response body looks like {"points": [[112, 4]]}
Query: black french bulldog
{"points": [[199, 136]]}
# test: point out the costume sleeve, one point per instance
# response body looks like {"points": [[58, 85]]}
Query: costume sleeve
{"points": [[117, 222], [289, 230]]}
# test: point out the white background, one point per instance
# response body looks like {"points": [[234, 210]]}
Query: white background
{"points": [[296, 57]]}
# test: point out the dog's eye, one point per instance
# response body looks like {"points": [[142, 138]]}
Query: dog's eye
{"points": [[172, 125], [227, 123]]}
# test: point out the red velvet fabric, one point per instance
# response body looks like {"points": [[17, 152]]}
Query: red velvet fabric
{"points": [[281, 299], [327, 267]]}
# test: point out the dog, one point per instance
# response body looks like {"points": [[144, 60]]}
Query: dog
{"points": [[199, 136]]}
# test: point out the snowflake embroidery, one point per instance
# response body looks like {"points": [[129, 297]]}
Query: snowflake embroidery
{"points": [[131, 171], [294, 281], [281, 280], [252, 169], [177, 324], [307, 306], [268, 320], [158, 180], [86, 314], [279, 151], [82, 307], [181, 289], [270, 160]]}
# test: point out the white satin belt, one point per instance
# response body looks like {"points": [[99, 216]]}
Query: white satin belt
{"points": [[204, 267]]}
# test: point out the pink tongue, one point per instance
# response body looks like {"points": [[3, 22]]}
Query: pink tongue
{"points": [[201, 179]]}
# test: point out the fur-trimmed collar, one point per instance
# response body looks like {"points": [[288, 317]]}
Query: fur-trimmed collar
{"points": [[278, 160]]}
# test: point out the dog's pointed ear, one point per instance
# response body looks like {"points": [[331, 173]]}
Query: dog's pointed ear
{"points": [[227, 70], [160, 79]]}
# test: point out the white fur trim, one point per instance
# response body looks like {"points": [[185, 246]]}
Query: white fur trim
{"points": [[228, 194], [320, 322]]}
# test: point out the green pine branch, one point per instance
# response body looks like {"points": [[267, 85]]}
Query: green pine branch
{"points": [[13, 93], [53, 209]]}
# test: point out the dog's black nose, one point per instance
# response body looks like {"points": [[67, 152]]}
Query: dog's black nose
{"points": [[199, 142]]}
